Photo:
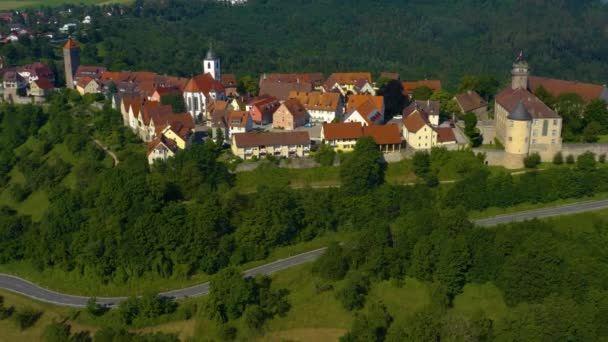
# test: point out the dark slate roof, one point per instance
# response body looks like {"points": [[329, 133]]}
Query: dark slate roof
{"points": [[520, 113], [210, 55]]}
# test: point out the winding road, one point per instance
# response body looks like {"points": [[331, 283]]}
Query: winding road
{"points": [[28, 289]]}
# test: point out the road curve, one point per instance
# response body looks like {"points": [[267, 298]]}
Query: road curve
{"points": [[29, 289]]}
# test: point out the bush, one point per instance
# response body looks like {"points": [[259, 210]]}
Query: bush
{"points": [[570, 159], [325, 155], [532, 161], [602, 158], [27, 318], [586, 161], [94, 308], [353, 292], [558, 159], [332, 265]]}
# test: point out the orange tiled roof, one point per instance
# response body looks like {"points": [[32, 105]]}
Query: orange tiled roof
{"points": [[203, 83], [317, 100], [415, 121], [355, 101], [342, 130], [238, 118], [556, 87], [349, 77], [383, 135], [408, 87]]}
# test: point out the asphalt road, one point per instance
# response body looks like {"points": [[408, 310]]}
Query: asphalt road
{"points": [[543, 213], [26, 288]]}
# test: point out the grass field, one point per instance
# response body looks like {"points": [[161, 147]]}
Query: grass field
{"points": [[14, 4]]}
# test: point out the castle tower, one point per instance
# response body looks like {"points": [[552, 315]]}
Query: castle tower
{"points": [[520, 73], [71, 62], [211, 65], [518, 130]]}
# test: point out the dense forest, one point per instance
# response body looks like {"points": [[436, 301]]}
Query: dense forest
{"points": [[184, 217], [419, 39]]}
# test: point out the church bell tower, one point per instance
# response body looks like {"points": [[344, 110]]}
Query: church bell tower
{"points": [[211, 65]]}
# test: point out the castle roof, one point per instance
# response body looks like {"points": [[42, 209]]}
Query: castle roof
{"points": [[520, 113], [510, 99]]}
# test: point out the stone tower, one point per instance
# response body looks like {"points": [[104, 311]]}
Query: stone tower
{"points": [[71, 62], [211, 65], [520, 73], [519, 122]]}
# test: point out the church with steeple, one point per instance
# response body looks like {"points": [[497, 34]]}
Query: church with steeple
{"points": [[523, 123], [204, 88]]}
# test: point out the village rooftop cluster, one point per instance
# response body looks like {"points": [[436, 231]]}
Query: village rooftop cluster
{"points": [[294, 112]]}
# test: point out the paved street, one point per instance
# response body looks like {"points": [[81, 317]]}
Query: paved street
{"points": [[26, 288], [542, 213], [29, 289]]}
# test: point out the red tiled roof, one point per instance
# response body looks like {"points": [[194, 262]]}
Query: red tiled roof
{"points": [[281, 90], [296, 108], [342, 130], [84, 81], [556, 87], [317, 100], [509, 98], [315, 79], [203, 83], [387, 134], [355, 101], [408, 87], [348, 78], [470, 101], [415, 121], [44, 83], [229, 81], [238, 119], [445, 134], [162, 140], [255, 139], [383, 135]]}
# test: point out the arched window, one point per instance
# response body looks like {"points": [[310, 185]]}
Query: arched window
{"points": [[209, 65]]}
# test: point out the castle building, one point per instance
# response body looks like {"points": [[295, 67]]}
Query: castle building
{"points": [[524, 124], [71, 62]]}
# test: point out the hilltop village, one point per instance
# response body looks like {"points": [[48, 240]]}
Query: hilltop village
{"points": [[295, 113]]}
